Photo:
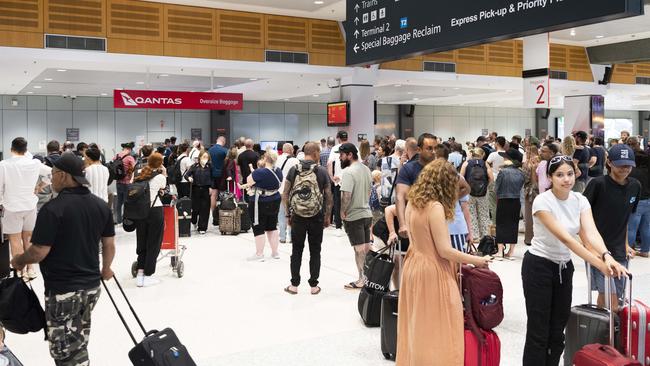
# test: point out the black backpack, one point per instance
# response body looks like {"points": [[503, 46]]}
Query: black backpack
{"points": [[116, 170], [138, 200], [20, 310], [487, 246], [174, 175], [476, 176]]}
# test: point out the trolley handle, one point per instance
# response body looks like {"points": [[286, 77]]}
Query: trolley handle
{"points": [[119, 313]]}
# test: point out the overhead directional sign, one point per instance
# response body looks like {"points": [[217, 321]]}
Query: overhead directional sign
{"points": [[385, 30]]}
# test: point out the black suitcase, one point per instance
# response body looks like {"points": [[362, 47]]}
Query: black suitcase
{"points": [[184, 207], [369, 305], [158, 348], [246, 223], [389, 325], [588, 324]]}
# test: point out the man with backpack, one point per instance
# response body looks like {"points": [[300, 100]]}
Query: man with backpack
{"points": [[121, 170], [285, 162], [478, 176], [176, 173], [307, 199]]}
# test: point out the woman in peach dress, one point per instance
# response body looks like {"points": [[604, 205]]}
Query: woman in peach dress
{"points": [[430, 322]]}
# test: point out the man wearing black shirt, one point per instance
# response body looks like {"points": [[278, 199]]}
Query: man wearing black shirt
{"points": [[613, 198], [599, 151], [247, 161], [65, 242], [584, 158], [640, 220]]}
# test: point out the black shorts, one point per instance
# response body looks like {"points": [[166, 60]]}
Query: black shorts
{"points": [[216, 183], [358, 231], [267, 216]]}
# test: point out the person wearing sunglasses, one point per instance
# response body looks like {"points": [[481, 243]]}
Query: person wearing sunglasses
{"points": [[559, 215]]}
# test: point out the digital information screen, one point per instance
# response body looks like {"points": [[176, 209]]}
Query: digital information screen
{"points": [[338, 114]]}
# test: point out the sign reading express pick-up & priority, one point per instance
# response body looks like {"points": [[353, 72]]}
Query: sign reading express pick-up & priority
{"points": [[384, 30]]}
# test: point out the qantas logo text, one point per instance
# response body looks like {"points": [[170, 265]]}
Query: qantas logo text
{"points": [[128, 101]]}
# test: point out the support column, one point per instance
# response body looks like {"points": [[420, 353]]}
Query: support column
{"points": [[584, 113], [536, 71], [359, 91]]}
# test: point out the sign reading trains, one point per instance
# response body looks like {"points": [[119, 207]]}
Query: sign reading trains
{"points": [[385, 30]]}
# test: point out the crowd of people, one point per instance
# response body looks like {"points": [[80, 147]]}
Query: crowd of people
{"points": [[437, 198]]}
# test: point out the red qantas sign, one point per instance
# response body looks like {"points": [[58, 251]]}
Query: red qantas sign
{"points": [[151, 99]]}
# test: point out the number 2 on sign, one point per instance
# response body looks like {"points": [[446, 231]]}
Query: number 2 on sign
{"points": [[542, 91]]}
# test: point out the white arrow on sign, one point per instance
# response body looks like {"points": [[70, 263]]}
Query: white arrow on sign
{"points": [[356, 8], [356, 48], [356, 33], [356, 21]]}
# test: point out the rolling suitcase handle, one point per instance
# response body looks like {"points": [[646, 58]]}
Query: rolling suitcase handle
{"points": [[119, 313]]}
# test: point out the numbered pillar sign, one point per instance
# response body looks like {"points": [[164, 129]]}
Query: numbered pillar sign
{"points": [[537, 93]]}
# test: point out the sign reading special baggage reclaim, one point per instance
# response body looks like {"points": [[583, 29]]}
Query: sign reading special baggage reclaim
{"points": [[152, 99], [385, 30]]}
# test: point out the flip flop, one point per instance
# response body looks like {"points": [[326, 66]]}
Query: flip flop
{"points": [[290, 291], [317, 291], [352, 286]]}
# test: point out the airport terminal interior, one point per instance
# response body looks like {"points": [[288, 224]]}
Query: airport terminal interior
{"points": [[521, 86]]}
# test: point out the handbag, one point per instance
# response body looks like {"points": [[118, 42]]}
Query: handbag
{"points": [[20, 310], [387, 201], [378, 268]]}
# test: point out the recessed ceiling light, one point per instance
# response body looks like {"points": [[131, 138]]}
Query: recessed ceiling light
{"points": [[286, 100], [409, 93], [316, 95], [104, 94], [61, 70], [573, 33], [48, 79], [599, 37], [30, 92], [456, 88], [37, 86], [398, 85], [319, 2], [164, 75], [416, 98], [140, 82], [253, 79]]}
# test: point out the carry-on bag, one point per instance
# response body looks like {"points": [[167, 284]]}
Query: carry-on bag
{"points": [[369, 305], [588, 324], [184, 207], [20, 310], [245, 218], [388, 320], [229, 214], [484, 350], [606, 354], [158, 348], [378, 269], [638, 345]]}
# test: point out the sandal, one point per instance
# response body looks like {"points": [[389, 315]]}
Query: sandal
{"points": [[352, 286], [318, 289], [290, 291]]}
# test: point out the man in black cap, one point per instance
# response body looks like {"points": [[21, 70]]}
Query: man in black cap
{"points": [[356, 182], [65, 243], [335, 171]]}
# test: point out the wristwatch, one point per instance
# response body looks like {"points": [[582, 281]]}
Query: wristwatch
{"points": [[602, 256]]}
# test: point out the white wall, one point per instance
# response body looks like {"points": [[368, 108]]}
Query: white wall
{"points": [[466, 123], [41, 119]]}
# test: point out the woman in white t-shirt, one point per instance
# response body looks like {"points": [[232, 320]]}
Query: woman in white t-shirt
{"points": [[547, 271], [149, 232]]}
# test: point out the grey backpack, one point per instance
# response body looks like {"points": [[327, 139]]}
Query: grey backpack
{"points": [[306, 198]]}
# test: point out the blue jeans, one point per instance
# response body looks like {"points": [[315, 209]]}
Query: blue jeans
{"points": [[122, 191], [640, 220], [282, 223]]}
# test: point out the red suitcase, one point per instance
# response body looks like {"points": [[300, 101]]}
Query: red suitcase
{"points": [[486, 353], [640, 345], [606, 355]]}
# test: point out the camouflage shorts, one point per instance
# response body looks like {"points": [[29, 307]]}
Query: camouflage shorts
{"points": [[68, 325]]}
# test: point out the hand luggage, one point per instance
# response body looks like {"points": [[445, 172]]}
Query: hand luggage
{"points": [[638, 345], [184, 207], [158, 348], [20, 310], [483, 290], [588, 324], [606, 354], [229, 213], [245, 218], [482, 352], [5, 267], [388, 319], [378, 268], [369, 305]]}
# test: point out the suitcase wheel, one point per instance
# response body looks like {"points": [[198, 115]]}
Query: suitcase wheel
{"points": [[180, 271], [174, 260], [134, 269], [387, 356]]}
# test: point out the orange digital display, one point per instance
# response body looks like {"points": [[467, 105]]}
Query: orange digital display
{"points": [[338, 114]]}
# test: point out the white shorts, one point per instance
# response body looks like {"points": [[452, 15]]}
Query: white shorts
{"points": [[17, 222]]}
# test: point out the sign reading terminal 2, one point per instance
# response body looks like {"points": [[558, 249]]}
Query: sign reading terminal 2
{"points": [[151, 99], [385, 30]]}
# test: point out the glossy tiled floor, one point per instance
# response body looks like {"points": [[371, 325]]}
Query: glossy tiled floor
{"points": [[230, 312]]}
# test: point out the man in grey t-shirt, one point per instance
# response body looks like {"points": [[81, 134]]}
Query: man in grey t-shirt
{"points": [[356, 182]]}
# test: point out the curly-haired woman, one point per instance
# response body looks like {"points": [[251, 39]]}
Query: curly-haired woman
{"points": [[430, 324]]}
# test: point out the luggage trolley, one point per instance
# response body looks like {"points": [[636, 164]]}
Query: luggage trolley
{"points": [[170, 246]]}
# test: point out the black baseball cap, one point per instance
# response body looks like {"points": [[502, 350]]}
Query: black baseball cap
{"points": [[348, 148], [342, 135], [71, 164]]}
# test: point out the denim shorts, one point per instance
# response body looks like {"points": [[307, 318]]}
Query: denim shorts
{"points": [[598, 281]]}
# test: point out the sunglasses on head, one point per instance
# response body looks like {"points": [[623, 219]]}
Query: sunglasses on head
{"points": [[558, 159]]}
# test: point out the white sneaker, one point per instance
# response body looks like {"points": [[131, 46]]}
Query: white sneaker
{"points": [[339, 233], [202, 232], [150, 281], [256, 258], [276, 256], [139, 280]]}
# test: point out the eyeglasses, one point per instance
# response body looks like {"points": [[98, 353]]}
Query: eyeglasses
{"points": [[557, 159]]}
